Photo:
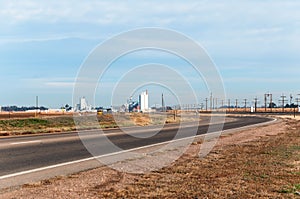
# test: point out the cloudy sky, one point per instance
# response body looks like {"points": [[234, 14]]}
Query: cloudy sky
{"points": [[254, 44]]}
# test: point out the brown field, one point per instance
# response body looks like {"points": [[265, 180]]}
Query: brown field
{"points": [[14, 115], [26, 123]]}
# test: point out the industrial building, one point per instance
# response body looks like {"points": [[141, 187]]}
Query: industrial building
{"points": [[83, 105], [144, 101]]}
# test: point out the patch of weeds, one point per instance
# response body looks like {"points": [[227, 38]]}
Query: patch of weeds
{"points": [[21, 123], [282, 152], [296, 173], [290, 189], [294, 148], [285, 190]]}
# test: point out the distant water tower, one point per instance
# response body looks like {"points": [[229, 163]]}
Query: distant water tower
{"points": [[144, 101]]}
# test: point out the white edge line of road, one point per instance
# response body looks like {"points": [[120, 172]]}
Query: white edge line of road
{"points": [[27, 142], [250, 126], [124, 151]]}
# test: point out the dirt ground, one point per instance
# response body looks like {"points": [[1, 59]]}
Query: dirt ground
{"points": [[262, 162]]}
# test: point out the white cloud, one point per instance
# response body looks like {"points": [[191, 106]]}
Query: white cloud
{"points": [[229, 19], [51, 82], [141, 12], [60, 84]]}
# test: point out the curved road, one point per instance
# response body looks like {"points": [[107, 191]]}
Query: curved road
{"points": [[19, 154]]}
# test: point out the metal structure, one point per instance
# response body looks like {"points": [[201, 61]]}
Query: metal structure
{"points": [[268, 95], [255, 104], [206, 104], [283, 100]]}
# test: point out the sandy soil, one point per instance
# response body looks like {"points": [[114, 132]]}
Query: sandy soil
{"points": [[262, 162], [297, 117]]}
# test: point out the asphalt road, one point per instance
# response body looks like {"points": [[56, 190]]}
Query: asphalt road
{"points": [[19, 154]]}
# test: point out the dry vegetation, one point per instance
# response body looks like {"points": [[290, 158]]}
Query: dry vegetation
{"points": [[258, 163], [63, 123], [35, 125]]}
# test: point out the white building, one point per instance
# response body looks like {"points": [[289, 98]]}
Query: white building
{"points": [[83, 105], [144, 101]]}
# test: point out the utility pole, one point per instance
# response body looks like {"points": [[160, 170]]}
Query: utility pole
{"points": [[271, 101], [245, 100], [266, 99], [283, 100], [211, 98], [265, 102], [162, 103], [255, 104], [291, 100]]}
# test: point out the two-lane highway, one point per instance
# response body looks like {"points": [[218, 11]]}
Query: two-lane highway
{"points": [[30, 152]]}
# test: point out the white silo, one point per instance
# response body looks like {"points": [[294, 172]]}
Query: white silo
{"points": [[143, 101]]}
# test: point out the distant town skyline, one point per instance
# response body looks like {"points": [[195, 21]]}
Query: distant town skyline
{"points": [[254, 44]]}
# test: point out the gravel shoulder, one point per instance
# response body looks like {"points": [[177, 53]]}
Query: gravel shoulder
{"points": [[261, 162]]}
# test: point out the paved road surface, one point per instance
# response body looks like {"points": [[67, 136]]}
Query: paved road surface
{"points": [[24, 153]]}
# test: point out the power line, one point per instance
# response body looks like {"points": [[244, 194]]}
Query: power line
{"points": [[283, 101], [271, 101]]}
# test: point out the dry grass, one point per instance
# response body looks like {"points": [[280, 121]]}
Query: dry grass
{"points": [[31, 125], [16, 115], [263, 168], [36, 125]]}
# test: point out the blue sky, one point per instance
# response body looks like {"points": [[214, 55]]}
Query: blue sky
{"points": [[255, 44]]}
